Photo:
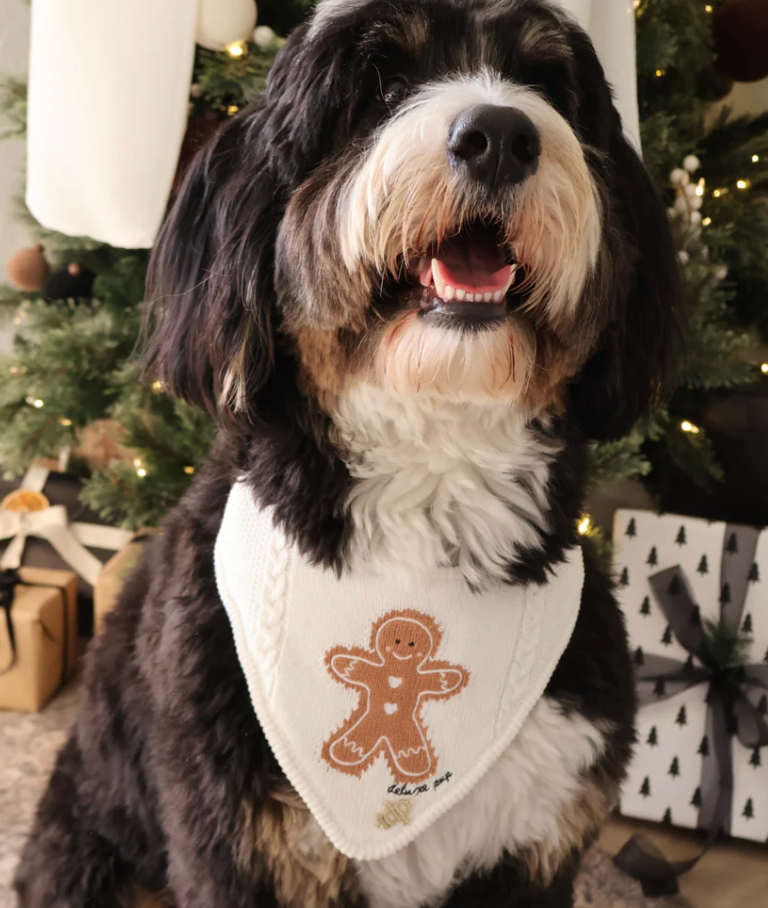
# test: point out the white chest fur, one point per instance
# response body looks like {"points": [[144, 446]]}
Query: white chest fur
{"points": [[442, 483]]}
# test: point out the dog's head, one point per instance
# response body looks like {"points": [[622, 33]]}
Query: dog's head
{"points": [[431, 196]]}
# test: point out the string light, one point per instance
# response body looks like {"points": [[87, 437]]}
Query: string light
{"points": [[157, 386], [232, 110], [764, 368], [707, 9], [743, 184], [636, 4], [659, 73], [689, 427], [718, 192], [189, 471], [706, 222], [584, 524], [236, 50], [755, 158], [141, 472], [700, 187], [65, 422]]}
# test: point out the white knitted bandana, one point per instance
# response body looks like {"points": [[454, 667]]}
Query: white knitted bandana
{"points": [[384, 702]]}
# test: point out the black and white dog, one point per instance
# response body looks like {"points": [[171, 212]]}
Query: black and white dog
{"points": [[411, 281]]}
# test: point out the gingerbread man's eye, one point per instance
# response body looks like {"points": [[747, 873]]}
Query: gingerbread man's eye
{"points": [[397, 642], [411, 643]]}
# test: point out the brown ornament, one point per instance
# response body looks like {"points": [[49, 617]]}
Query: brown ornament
{"points": [[740, 30], [28, 269]]}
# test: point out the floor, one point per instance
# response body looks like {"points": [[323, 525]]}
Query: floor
{"points": [[732, 875]]}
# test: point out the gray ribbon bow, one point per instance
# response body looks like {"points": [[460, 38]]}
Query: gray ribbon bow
{"points": [[729, 709]]}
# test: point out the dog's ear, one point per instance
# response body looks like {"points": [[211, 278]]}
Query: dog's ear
{"points": [[634, 361], [210, 284]]}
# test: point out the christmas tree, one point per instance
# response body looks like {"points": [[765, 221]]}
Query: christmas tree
{"points": [[72, 364], [703, 567], [682, 717], [645, 608], [645, 789], [653, 557], [696, 799], [674, 767], [653, 737]]}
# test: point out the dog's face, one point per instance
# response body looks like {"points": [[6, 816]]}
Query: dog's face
{"points": [[434, 197]]}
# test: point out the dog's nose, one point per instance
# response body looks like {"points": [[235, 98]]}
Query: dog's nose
{"points": [[497, 146]]}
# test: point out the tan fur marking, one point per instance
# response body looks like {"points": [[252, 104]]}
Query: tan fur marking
{"points": [[578, 823], [138, 897], [411, 34], [305, 874], [543, 40]]}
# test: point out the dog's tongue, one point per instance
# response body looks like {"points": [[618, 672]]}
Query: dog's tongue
{"points": [[473, 264]]}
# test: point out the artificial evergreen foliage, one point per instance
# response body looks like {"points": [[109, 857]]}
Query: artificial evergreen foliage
{"points": [[79, 359]]}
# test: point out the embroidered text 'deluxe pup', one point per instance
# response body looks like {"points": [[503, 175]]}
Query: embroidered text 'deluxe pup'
{"points": [[411, 282]]}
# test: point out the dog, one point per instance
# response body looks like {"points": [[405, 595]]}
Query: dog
{"points": [[412, 282]]}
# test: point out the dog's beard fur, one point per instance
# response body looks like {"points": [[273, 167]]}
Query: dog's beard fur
{"points": [[416, 358]]}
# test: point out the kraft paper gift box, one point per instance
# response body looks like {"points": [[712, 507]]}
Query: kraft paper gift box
{"points": [[40, 653], [695, 597]]}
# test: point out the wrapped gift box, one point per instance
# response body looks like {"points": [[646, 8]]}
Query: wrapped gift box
{"points": [[695, 597], [43, 524], [43, 654]]}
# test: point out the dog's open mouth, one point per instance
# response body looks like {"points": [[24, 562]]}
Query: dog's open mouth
{"points": [[467, 276]]}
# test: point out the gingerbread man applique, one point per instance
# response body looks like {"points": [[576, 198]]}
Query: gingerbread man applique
{"points": [[394, 678]]}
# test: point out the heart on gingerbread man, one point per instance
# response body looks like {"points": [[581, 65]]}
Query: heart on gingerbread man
{"points": [[394, 678]]}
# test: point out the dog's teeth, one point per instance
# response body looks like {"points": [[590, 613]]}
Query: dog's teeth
{"points": [[510, 280], [438, 278], [498, 296], [470, 297], [461, 294], [449, 293], [488, 297]]}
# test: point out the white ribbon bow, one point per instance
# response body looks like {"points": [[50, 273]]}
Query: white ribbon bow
{"points": [[52, 524]]}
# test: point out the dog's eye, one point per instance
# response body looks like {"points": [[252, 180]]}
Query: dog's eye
{"points": [[393, 92]]}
